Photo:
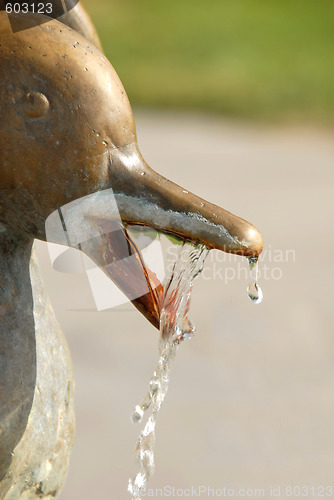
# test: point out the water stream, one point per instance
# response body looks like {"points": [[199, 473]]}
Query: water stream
{"points": [[254, 290], [175, 326]]}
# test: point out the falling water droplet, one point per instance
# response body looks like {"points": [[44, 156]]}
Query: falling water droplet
{"points": [[185, 336], [154, 385], [254, 291], [137, 414]]}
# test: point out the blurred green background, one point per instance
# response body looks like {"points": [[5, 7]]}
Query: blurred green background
{"points": [[263, 59]]}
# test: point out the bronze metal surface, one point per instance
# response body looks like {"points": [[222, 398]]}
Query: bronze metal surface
{"points": [[78, 19]]}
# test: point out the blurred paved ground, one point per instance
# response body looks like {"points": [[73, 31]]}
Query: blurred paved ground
{"points": [[251, 400]]}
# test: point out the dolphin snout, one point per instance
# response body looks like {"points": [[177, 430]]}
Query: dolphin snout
{"points": [[145, 197]]}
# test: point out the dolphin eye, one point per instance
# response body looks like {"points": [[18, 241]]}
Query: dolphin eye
{"points": [[35, 104]]}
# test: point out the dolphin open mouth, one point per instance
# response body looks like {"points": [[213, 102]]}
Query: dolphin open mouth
{"points": [[98, 224]]}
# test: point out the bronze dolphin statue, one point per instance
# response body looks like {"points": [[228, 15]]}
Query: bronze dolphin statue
{"points": [[66, 133]]}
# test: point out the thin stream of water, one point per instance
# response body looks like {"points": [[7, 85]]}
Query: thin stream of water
{"points": [[254, 290], [175, 326]]}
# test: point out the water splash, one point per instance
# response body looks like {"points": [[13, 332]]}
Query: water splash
{"points": [[175, 326], [254, 291]]}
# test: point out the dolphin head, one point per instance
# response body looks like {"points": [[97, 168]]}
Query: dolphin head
{"points": [[67, 132]]}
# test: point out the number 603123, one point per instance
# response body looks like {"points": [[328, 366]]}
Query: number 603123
{"points": [[37, 8]]}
